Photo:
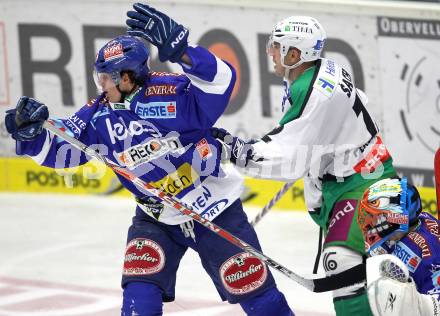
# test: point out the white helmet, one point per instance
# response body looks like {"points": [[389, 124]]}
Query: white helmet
{"points": [[302, 32]]}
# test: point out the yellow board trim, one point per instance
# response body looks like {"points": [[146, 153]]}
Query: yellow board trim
{"points": [[24, 175]]}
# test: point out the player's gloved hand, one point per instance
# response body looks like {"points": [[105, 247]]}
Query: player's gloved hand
{"points": [[391, 291], [167, 35], [238, 151], [403, 297], [25, 122]]}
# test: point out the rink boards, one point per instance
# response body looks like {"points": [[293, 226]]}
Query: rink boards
{"points": [[24, 175], [390, 47]]}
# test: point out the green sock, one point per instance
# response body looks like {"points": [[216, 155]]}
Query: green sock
{"points": [[353, 306]]}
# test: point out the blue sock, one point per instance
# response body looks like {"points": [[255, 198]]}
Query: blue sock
{"points": [[271, 302], [143, 299]]}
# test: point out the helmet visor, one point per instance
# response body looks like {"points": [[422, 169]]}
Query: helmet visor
{"points": [[271, 46], [105, 81]]}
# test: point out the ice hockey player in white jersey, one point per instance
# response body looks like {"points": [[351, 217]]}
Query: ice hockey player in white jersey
{"points": [[327, 137], [407, 281]]}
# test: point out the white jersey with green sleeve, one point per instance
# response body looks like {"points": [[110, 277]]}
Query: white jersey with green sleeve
{"points": [[327, 133]]}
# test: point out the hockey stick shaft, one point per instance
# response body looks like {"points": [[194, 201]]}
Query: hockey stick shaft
{"points": [[271, 203], [315, 285], [176, 204]]}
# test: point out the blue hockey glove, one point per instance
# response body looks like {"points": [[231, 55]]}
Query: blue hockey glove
{"points": [[170, 38], [25, 122], [239, 151]]}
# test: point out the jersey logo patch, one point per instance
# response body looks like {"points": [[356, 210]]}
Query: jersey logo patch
{"points": [[326, 85], [157, 110], [203, 149], [340, 222], [143, 257], [150, 150], [75, 124], [151, 206], [377, 155], [327, 79], [160, 90], [408, 257], [205, 204], [164, 74], [243, 273], [421, 242], [214, 209], [436, 279], [432, 226], [119, 106], [176, 182]]}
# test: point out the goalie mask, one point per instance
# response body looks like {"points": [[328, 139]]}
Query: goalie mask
{"points": [[388, 207]]}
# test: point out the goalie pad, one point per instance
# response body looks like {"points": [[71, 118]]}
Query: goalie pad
{"points": [[391, 292]]}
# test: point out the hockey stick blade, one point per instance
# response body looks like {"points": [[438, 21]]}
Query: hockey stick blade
{"points": [[315, 285]]}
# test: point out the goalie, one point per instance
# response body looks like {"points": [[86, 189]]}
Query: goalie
{"points": [[407, 283]]}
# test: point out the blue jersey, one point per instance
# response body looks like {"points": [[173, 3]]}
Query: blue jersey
{"points": [[161, 133], [420, 251]]}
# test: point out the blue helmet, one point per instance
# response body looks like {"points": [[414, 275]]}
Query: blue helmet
{"points": [[388, 207], [413, 203], [123, 53]]}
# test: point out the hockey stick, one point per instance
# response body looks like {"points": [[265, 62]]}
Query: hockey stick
{"points": [[349, 277], [437, 179], [271, 203]]}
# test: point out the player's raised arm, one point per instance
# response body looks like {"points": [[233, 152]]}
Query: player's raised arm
{"points": [[170, 38], [212, 79]]}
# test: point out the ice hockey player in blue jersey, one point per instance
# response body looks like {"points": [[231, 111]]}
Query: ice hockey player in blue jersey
{"points": [[392, 222], [157, 125]]}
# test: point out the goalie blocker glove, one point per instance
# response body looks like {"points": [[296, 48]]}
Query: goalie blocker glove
{"points": [[391, 292], [25, 122], [170, 38]]}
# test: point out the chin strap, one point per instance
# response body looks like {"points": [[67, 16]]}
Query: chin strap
{"points": [[286, 75], [288, 68]]}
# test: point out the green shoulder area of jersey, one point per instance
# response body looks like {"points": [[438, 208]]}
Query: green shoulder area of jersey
{"points": [[299, 92]]}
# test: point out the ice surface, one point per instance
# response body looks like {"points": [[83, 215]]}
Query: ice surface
{"points": [[62, 255]]}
